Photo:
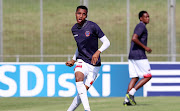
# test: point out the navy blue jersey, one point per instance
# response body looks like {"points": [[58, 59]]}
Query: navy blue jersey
{"points": [[86, 38], [136, 51]]}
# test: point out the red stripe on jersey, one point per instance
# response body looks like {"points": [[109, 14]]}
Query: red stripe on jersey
{"points": [[147, 75], [91, 82]]}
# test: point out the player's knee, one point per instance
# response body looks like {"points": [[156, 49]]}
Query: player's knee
{"points": [[148, 78], [79, 79], [79, 76]]}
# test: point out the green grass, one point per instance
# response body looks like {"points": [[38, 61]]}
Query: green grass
{"points": [[21, 31], [97, 104]]}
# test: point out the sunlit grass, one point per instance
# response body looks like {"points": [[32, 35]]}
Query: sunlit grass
{"points": [[21, 26]]}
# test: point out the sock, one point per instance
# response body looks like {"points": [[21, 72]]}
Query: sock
{"points": [[83, 95], [132, 91], [76, 102], [126, 99]]}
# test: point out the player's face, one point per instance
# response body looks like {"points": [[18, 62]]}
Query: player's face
{"points": [[145, 18], [81, 15]]}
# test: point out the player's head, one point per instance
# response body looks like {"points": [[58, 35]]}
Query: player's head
{"points": [[144, 17], [81, 14]]}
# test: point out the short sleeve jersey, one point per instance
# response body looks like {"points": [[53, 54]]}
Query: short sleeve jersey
{"points": [[86, 38], [136, 51]]}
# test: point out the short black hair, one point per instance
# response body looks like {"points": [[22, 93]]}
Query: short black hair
{"points": [[82, 7], [141, 13]]}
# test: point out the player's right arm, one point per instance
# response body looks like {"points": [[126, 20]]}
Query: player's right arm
{"points": [[71, 62], [105, 45], [136, 40]]}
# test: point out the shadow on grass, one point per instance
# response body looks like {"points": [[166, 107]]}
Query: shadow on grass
{"points": [[142, 104]]}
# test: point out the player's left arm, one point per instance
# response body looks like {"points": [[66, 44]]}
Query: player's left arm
{"points": [[105, 45], [136, 40]]}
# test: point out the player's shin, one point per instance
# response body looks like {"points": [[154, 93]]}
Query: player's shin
{"points": [[76, 102], [83, 94]]}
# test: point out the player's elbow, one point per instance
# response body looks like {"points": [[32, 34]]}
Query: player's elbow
{"points": [[134, 39], [108, 43]]}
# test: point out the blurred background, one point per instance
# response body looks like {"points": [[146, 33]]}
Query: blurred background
{"points": [[40, 30]]}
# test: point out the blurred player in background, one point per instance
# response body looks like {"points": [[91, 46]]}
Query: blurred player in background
{"points": [[138, 63], [86, 34]]}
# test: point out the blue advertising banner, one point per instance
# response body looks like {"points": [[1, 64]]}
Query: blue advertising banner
{"points": [[58, 80], [165, 80]]}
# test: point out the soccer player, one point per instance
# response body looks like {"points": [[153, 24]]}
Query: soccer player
{"points": [[138, 63], [86, 34]]}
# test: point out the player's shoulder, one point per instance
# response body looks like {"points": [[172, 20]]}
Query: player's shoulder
{"points": [[93, 25], [74, 26], [90, 22], [141, 24]]}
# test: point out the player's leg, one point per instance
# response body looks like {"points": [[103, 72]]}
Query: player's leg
{"points": [[130, 86], [131, 93], [80, 74], [82, 91], [132, 74], [142, 82], [91, 76], [144, 72], [132, 83], [76, 102]]}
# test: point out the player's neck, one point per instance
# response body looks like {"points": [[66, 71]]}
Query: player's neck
{"points": [[143, 22], [82, 24]]}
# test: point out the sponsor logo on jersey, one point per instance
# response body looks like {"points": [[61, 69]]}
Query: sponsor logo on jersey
{"points": [[75, 35], [87, 33]]}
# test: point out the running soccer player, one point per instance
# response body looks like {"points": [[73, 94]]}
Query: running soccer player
{"points": [[138, 63], [86, 34]]}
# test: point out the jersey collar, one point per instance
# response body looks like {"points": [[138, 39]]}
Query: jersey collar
{"points": [[79, 27]]}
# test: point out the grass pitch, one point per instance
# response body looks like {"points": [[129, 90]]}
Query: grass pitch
{"points": [[21, 27], [97, 104]]}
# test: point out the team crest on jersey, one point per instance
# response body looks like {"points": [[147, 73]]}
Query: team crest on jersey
{"points": [[87, 33]]}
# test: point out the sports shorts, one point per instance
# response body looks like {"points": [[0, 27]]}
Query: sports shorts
{"points": [[90, 72], [139, 68]]}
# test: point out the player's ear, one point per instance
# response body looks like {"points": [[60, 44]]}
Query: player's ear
{"points": [[140, 18]]}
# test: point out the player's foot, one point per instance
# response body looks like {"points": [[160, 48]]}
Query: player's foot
{"points": [[127, 103], [131, 99]]}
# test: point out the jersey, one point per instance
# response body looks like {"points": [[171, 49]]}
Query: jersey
{"points": [[136, 51], [86, 38]]}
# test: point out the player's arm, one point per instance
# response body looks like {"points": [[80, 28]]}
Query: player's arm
{"points": [[71, 62], [105, 45], [136, 40]]}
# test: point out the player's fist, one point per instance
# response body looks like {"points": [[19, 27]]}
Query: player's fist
{"points": [[95, 57], [70, 63], [149, 50]]}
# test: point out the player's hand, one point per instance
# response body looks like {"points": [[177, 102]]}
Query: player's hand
{"points": [[70, 63], [149, 50], [95, 57]]}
